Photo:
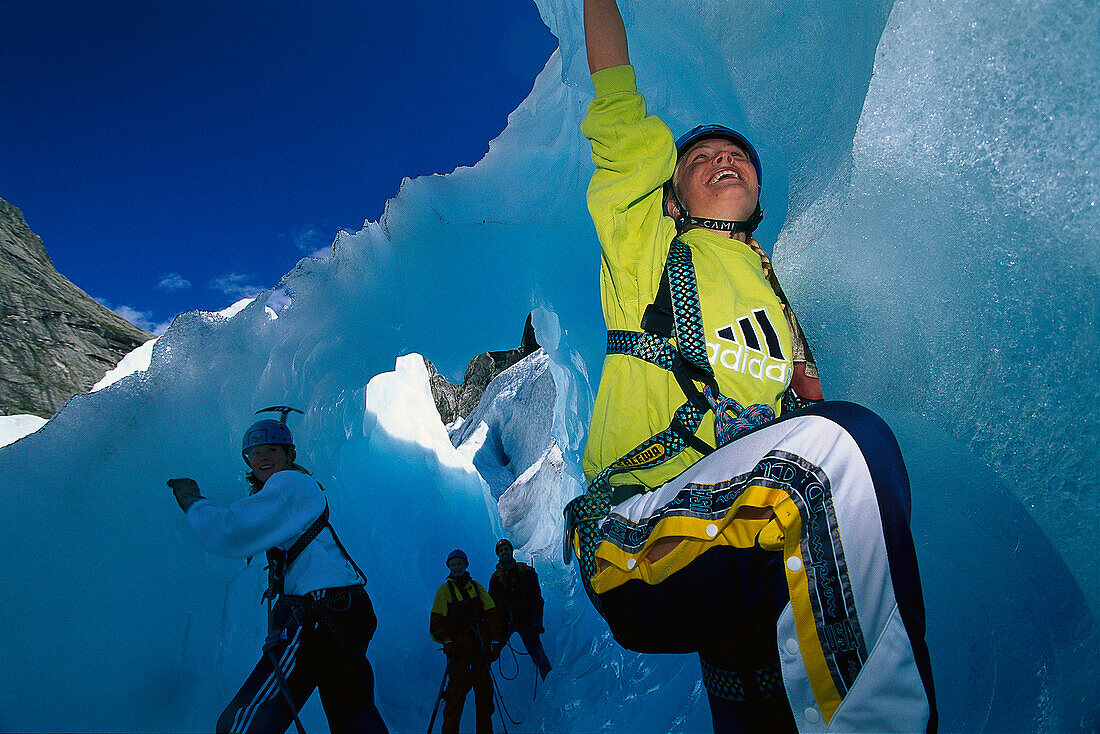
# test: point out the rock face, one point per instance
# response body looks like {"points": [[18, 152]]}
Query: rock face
{"points": [[458, 401], [55, 340]]}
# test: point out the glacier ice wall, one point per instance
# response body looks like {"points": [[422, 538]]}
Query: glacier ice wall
{"points": [[933, 169], [953, 271]]}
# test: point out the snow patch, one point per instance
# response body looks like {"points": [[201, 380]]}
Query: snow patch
{"points": [[136, 361], [15, 427]]}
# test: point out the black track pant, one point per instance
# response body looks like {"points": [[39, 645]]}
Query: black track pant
{"points": [[312, 657], [724, 605]]}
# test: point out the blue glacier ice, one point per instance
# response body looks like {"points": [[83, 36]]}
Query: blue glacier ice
{"points": [[932, 210]]}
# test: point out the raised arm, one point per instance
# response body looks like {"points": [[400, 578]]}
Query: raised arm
{"points": [[604, 35]]}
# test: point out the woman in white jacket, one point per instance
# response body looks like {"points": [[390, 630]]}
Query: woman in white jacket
{"points": [[322, 619]]}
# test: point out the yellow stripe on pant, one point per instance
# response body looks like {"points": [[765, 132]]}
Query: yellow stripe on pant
{"points": [[698, 535]]}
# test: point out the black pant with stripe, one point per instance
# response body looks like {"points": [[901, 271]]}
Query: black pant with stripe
{"points": [[328, 655]]}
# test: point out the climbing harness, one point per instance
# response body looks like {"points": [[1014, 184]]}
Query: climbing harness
{"points": [[674, 313], [278, 561], [513, 592], [462, 606], [284, 610]]}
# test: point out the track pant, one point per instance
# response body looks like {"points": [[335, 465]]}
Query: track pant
{"points": [[311, 657], [792, 569], [466, 672]]}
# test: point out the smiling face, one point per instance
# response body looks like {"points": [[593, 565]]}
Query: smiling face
{"points": [[457, 566], [715, 179], [266, 459]]}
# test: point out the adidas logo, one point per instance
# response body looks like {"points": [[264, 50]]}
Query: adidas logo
{"points": [[756, 351]]}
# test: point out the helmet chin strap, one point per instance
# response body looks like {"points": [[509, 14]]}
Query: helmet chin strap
{"points": [[685, 219]]}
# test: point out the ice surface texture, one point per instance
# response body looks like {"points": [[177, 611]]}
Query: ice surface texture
{"points": [[933, 168]]}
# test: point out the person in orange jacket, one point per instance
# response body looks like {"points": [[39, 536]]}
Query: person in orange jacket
{"points": [[468, 624]]}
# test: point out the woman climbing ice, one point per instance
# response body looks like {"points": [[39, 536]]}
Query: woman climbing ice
{"points": [[730, 511]]}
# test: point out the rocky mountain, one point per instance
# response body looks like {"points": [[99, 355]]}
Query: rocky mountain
{"points": [[55, 340], [458, 401]]}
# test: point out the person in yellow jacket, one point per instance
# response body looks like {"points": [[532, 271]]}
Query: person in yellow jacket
{"points": [[731, 511], [466, 621]]}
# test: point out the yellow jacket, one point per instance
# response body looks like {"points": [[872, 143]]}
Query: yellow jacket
{"points": [[457, 620], [635, 155]]}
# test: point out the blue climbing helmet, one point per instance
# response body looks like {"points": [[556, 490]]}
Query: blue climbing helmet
{"points": [[690, 138], [702, 132], [268, 431], [458, 553]]}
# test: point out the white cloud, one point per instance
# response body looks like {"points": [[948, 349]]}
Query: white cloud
{"points": [[313, 241], [173, 282], [236, 286], [279, 299], [141, 319]]}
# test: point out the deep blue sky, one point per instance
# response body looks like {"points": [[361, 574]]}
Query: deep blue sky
{"points": [[176, 155]]}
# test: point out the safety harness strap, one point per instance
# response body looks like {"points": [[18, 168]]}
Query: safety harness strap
{"points": [[323, 607], [307, 537], [674, 314], [278, 561], [583, 513], [687, 360], [456, 598], [643, 345], [467, 610], [749, 685], [659, 352], [686, 312]]}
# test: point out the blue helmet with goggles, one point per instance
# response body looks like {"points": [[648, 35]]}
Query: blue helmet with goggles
{"points": [[706, 132], [268, 431]]}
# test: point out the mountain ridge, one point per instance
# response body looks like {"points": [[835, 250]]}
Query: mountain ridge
{"points": [[55, 339]]}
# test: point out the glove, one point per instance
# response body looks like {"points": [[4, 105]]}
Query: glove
{"points": [[448, 648], [494, 650], [186, 491]]}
